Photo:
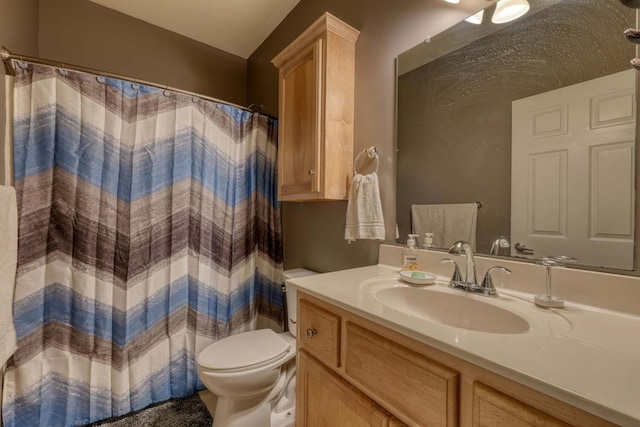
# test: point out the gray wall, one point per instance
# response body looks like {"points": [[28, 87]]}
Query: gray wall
{"points": [[84, 33], [19, 25], [314, 231]]}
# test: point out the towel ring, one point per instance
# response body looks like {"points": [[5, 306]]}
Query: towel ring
{"points": [[372, 153]]}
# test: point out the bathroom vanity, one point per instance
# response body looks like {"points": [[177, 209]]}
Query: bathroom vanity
{"points": [[365, 359]]}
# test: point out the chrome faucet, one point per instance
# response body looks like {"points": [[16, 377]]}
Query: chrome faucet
{"points": [[470, 284], [470, 274]]}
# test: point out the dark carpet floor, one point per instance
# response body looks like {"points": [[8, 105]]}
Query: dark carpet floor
{"points": [[187, 412]]}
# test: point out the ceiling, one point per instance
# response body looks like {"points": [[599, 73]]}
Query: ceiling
{"points": [[234, 26]]}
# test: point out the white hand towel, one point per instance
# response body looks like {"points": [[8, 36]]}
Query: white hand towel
{"points": [[448, 223], [8, 261], [364, 210]]}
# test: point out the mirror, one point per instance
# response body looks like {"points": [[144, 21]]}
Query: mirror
{"points": [[458, 128]]}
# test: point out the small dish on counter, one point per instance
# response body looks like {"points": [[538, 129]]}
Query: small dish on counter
{"points": [[417, 277]]}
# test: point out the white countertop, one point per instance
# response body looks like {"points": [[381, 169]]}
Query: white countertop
{"points": [[585, 356]]}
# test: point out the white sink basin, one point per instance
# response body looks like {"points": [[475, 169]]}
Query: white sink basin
{"points": [[452, 309]]}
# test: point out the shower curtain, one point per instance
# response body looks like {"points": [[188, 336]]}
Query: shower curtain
{"points": [[148, 228]]}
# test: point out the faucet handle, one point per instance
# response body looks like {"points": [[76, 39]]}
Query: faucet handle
{"points": [[457, 277], [457, 247], [487, 284], [500, 246]]}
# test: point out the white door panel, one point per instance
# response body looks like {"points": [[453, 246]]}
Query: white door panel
{"points": [[548, 194], [573, 169]]}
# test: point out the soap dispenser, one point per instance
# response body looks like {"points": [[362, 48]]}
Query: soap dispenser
{"points": [[428, 241], [410, 254]]}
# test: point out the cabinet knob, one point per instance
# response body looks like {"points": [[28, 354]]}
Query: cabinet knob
{"points": [[312, 172], [311, 332]]}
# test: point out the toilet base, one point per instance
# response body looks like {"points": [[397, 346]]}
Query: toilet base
{"points": [[283, 413], [241, 413], [283, 419], [273, 409]]}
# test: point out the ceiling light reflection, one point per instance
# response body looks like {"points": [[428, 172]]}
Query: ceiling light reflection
{"points": [[508, 10], [476, 19]]}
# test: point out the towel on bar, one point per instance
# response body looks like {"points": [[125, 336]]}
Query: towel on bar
{"points": [[448, 223], [8, 262], [364, 210]]}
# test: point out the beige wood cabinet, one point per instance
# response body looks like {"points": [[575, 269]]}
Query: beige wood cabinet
{"points": [[492, 408], [316, 108], [352, 371], [394, 422], [329, 401]]}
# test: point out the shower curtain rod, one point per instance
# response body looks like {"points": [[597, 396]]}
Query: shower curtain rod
{"points": [[7, 56]]}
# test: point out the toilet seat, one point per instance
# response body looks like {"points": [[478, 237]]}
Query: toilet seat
{"points": [[247, 350]]}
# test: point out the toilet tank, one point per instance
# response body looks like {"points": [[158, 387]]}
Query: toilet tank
{"points": [[290, 293]]}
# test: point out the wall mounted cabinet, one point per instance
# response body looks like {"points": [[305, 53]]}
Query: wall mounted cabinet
{"points": [[316, 109]]}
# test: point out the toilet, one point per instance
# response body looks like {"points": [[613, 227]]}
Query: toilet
{"points": [[253, 373]]}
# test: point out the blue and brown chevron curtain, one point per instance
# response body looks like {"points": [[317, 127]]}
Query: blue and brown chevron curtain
{"points": [[148, 228]]}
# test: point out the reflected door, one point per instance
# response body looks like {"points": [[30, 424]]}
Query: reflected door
{"points": [[573, 172]]}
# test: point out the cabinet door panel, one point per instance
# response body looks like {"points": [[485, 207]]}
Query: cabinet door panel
{"points": [[319, 332], [423, 390], [298, 148], [324, 400], [492, 408]]}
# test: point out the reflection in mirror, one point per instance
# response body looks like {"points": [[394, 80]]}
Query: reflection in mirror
{"points": [[549, 97]]}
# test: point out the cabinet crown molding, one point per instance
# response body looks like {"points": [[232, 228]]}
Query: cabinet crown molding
{"points": [[326, 23]]}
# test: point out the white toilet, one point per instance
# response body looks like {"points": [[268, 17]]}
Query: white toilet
{"points": [[253, 373]]}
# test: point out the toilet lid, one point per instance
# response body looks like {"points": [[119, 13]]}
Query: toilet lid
{"points": [[243, 350]]}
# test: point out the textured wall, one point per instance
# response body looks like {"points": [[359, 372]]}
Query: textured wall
{"points": [[314, 231], [454, 113]]}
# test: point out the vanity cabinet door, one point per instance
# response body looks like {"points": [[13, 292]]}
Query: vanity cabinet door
{"points": [[492, 408], [325, 400], [319, 332], [424, 391]]}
